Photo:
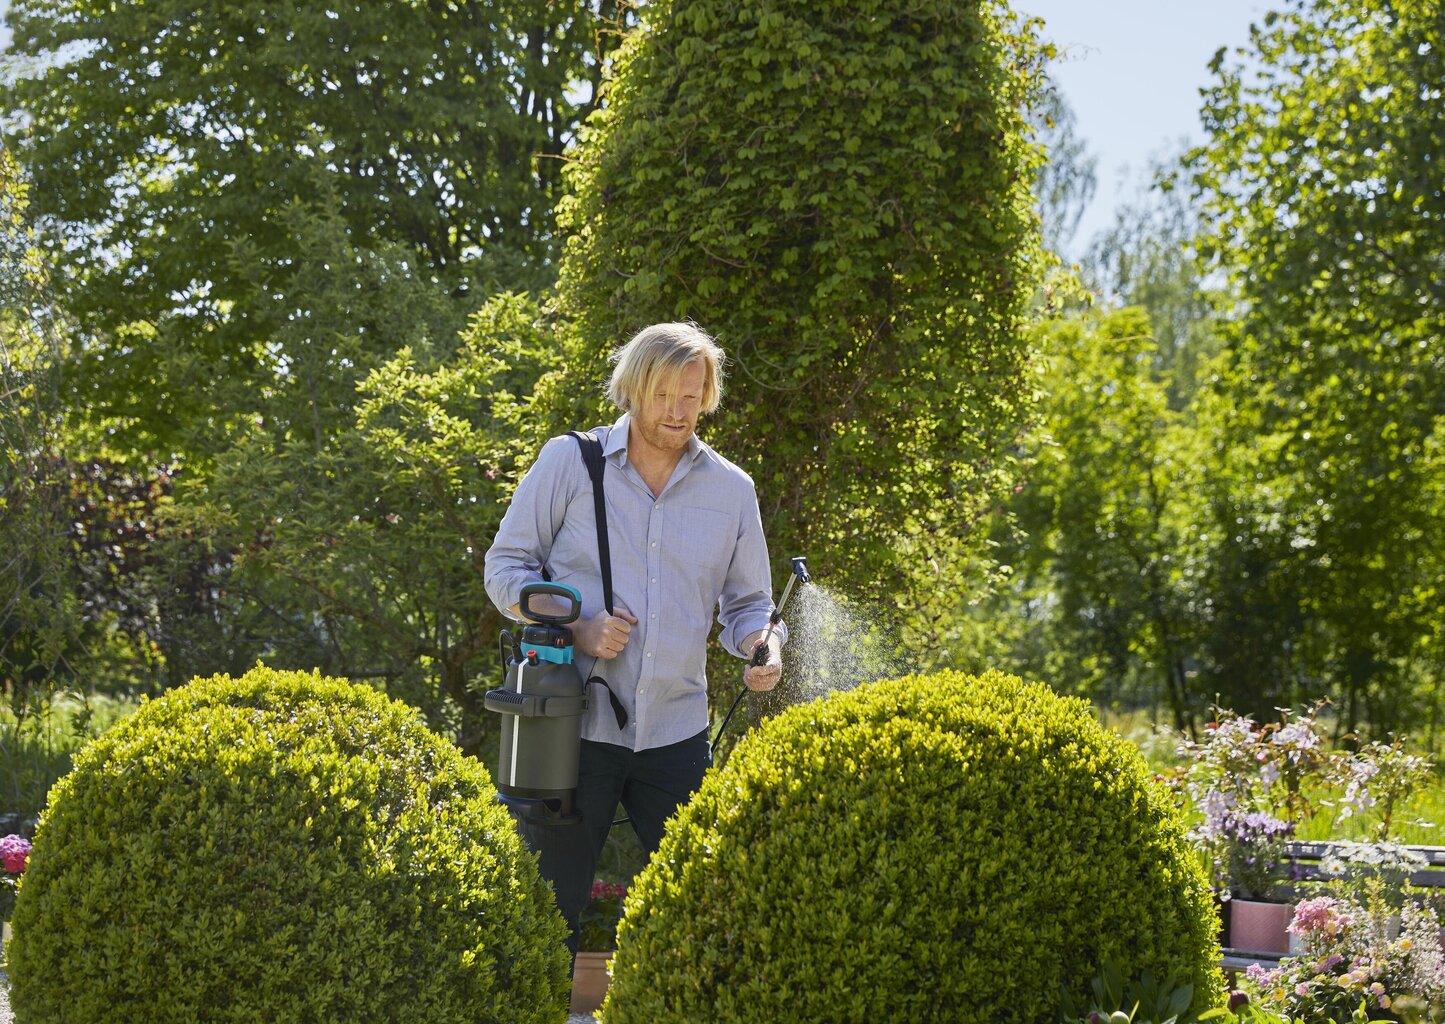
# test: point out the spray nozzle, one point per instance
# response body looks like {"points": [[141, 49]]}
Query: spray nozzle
{"points": [[800, 572]]}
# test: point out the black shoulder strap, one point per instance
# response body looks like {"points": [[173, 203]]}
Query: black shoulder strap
{"points": [[592, 456]]}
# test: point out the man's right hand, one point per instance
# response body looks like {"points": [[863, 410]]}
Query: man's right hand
{"points": [[604, 636]]}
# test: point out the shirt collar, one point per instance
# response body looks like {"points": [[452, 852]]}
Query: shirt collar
{"points": [[619, 432]]}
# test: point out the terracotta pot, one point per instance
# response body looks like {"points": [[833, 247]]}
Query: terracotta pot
{"points": [[589, 982], [1260, 927]]}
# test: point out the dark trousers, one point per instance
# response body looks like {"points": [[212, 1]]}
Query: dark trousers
{"points": [[649, 784]]}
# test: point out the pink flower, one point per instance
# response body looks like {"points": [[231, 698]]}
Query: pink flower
{"points": [[608, 890], [1319, 918], [1301, 989], [14, 853]]}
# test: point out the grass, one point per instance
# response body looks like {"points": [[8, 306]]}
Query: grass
{"points": [[37, 745]]}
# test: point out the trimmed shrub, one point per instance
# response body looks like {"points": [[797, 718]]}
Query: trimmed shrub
{"points": [[935, 848], [281, 847]]}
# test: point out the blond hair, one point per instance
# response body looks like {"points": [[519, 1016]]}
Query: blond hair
{"points": [[657, 354]]}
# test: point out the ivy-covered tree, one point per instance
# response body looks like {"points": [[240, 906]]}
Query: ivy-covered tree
{"points": [[1321, 178], [841, 193], [161, 134]]}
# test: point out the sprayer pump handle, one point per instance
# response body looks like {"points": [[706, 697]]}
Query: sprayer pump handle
{"points": [[562, 590], [760, 653]]}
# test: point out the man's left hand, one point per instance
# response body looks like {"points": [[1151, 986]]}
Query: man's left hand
{"points": [[765, 676]]}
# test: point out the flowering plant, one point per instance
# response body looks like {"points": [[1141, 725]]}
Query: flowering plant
{"points": [[1249, 857], [600, 917], [1366, 873], [1352, 970], [14, 855], [1253, 785]]}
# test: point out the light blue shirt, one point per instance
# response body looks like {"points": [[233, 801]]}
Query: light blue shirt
{"points": [[695, 548]]}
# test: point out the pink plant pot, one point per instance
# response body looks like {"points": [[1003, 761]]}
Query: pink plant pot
{"points": [[1259, 927]]}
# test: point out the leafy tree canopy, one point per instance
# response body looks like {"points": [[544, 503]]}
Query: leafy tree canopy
{"points": [[161, 135], [1321, 178]]}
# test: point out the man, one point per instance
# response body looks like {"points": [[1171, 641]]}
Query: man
{"points": [[686, 538]]}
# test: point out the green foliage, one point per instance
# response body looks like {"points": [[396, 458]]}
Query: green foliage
{"points": [[938, 847], [841, 193], [1122, 1000], [160, 134], [363, 535], [282, 847], [40, 618], [1103, 571], [1147, 258], [1069, 177], [1321, 177], [598, 920], [1246, 503]]}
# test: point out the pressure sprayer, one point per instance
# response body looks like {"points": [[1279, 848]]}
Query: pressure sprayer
{"points": [[760, 653], [541, 701], [543, 698]]}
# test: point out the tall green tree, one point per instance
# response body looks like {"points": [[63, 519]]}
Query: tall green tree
{"points": [[40, 616], [161, 134], [841, 193], [1322, 184], [1106, 569]]}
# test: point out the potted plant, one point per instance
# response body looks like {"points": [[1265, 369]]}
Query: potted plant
{"points": [[1251, 867], [596, 943], [1253, 785]]}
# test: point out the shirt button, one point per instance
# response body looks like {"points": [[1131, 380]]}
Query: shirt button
{"points": [[654, 579], [654, 543], [653, 615], [649, 654]]}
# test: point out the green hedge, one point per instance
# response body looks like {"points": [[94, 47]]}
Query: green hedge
{"points": [[281, 847], [936, 848]]}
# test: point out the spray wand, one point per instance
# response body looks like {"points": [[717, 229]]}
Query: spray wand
{"points": [[760, 653]]}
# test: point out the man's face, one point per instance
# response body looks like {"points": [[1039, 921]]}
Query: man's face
{"points": [[666, 418]]}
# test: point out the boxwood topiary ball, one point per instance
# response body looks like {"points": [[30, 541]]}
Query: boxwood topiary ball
{"points": [[281, 847], [935, 848]]}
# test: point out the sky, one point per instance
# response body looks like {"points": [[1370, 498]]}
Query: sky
{"points": [[1132, 70]]}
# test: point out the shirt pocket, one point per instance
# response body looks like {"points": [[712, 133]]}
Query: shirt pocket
{"points": [[707, 537]]}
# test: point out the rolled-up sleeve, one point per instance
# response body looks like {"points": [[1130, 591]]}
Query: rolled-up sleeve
{"points": [[529, 526], [746, 602]]}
